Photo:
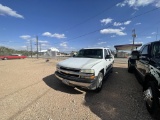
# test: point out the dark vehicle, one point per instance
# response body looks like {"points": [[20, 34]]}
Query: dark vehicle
{"points": [[132, 61], [148, 71]]}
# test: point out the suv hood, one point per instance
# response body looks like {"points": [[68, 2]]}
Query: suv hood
{"points": [[80, 63]]}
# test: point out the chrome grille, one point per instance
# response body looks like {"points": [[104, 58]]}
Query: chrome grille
{"points": [[69, 72], [69, 75]]}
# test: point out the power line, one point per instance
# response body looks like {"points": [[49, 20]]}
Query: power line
{"points": [[100, 28], [92, 17], [112, 24]]}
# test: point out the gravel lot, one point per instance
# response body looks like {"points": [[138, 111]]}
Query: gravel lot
{"points": [[30, 91]]}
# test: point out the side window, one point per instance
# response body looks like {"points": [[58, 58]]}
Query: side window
{"points": [[156, 49], [141, 49], [145, 50], [105, 52], [109, 52]]}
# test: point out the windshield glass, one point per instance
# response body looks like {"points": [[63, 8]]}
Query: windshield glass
{"points": [[91, 53], [156, 50]]}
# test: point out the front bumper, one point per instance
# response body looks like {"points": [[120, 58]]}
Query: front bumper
{"points": [[77, 82]]}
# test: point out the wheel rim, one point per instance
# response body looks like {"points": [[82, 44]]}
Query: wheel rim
{"points": [[148, 97], [100, 78]]}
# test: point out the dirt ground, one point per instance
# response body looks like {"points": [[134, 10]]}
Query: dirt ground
{"points": [[30, 91]]}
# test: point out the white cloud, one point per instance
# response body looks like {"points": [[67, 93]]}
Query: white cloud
{"points": [[25, 37], [55, 35], [4, 10], [113, 31], [100, 43], [149, 37], [43, 41], [153, 33], [122, 28], [113, 36], [139, 3], [157, 4], [138, 23], [121, 4], [63, 44], [44, 45], [119, 24], [127, 22], [136, 42], [106, 21], [24, 46], [48, 34]]}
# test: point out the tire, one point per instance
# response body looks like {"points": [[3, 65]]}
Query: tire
{"points": [[99, 82], [111, 71], [151, 98], [129, 68], [5, 58]]}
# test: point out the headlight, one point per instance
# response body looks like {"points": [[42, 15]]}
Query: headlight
{"points": [[87, 74], [87, 71]]}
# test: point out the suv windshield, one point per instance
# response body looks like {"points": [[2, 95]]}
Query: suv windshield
{"points": [[156, 50], [91, 53]]}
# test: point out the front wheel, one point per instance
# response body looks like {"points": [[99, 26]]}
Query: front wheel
{"points": [[151, 98], [99, 82], [129, 68]]}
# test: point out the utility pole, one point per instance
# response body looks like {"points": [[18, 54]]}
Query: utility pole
{"points": [[40, 48], [31, 47], [134, 36], [37, 46]]}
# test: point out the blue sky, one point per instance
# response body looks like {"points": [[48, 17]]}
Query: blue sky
{"points": [[74, 24]]}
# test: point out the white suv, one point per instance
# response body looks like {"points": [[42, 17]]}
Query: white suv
{"points": [[87, 69]]}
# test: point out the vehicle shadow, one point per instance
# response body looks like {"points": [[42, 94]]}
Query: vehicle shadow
{"points": [[120, 99], [56, 84]]}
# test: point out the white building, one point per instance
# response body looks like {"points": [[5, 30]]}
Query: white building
{"points": [[53, 49], [51, 52]]}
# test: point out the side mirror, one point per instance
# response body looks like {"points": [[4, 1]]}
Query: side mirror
{"points": [[135, 55]]}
